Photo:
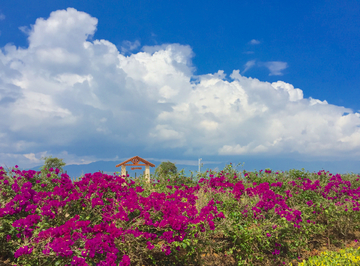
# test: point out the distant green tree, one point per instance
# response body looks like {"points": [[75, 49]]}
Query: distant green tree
{"points": [[167, 174], [166, 168], [54, 163]]}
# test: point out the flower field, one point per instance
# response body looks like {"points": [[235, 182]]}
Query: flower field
{"points": [[224, 218]]}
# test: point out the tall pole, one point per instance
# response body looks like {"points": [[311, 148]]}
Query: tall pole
{"points": [[199, 164]]}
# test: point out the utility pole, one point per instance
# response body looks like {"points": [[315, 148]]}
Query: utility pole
{"points": [[199, 164]]}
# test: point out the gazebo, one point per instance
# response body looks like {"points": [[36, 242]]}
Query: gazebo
{"points": [[135, 162]]}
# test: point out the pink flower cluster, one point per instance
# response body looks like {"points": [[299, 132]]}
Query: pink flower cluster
{"points": [[268, 199], [32, 206], [37, 203]]}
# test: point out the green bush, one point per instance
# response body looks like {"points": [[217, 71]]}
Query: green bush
{"points": [[343, 257]]}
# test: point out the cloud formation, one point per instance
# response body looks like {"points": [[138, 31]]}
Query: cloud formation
{"points": [[248, 65], [253, 41], [128, 46], [276, 67], [72, 97]]}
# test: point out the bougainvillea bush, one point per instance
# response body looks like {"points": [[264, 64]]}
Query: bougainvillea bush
{"points": [[246, 218]]}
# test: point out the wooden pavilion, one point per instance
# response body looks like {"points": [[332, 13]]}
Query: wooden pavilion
{"points": [[135, 162]]}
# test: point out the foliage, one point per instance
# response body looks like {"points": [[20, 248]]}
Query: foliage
{"points": [[166, 168], [343, 257], [51, 162], [262, 219]]}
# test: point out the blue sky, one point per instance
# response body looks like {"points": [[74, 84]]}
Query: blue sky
{"points": [[273, 84]]}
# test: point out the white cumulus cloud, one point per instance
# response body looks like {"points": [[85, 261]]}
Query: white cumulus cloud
{"points": [[66, 94]]}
